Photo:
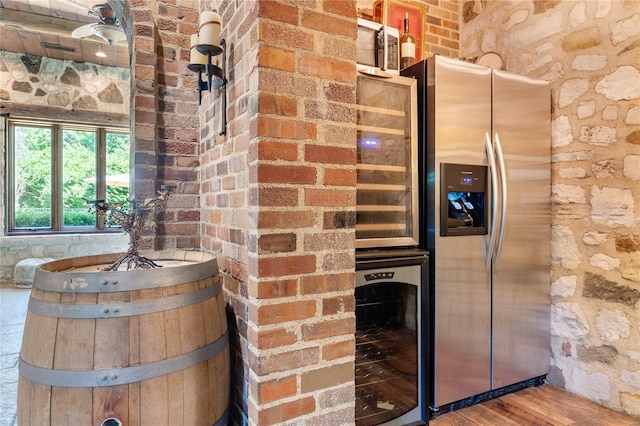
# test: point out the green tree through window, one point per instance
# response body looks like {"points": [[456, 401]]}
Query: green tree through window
{"points": [[54, 168]]}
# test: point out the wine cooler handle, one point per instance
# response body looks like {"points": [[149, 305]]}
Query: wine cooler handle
{"points": [[503, 201], [494, 202]]}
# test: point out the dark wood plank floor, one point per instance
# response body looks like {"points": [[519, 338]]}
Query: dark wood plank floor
{"points": [[537, 406]]}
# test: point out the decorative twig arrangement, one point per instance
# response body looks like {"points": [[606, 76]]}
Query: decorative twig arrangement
{"points": [[133, 218]]}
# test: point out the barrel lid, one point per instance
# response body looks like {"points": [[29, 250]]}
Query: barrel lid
{"points": [[75, 275]]}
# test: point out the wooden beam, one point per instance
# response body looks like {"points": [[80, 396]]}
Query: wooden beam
{"points": [[38, 23], [14, 110]]}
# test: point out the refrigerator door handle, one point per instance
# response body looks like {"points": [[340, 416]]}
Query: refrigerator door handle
{"points": [[494, 201], [503, 200]]}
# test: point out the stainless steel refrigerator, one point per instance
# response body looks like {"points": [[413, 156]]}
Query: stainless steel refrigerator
{"points": [[486, 220]]}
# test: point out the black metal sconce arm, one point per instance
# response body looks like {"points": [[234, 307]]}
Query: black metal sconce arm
{"points": [[210, 71]]}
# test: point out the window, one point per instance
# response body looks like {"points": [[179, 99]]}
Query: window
{"points": [[54, 169]]}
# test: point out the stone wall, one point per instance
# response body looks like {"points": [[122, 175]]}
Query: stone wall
{"points": [[38, 81], [34, 81], [14, 249], [589, 51]]}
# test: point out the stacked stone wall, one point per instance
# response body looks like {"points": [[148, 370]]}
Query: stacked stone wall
{"points": [[589, 51], [48, 82], [66, 85]]}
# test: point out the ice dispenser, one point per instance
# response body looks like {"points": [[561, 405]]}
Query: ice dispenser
{"points": [[463, 198]]}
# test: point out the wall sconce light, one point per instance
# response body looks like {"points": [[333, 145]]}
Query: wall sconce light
{"points": [[204, 46]]}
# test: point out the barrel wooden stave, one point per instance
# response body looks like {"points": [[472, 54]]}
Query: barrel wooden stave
{"points": [[182, 397]]}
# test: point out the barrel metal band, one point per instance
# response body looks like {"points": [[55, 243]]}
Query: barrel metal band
{"points": [[110, 282], [222, 420], [121, 376], [122, 309]]}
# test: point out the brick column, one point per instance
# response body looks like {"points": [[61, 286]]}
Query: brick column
{"points": [[278, 203], [164, 119]]}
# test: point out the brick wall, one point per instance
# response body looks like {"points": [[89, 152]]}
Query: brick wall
{"points": [[442, 34], [165, 122], [277, 192], [271, 189]]}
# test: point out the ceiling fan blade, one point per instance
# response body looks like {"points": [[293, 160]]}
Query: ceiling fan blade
{"points": [[109, 33], [83, 31]]}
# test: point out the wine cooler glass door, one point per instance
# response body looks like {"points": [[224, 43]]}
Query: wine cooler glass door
{"points": [[387, 179]]}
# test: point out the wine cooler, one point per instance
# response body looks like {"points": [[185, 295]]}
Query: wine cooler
{"points": [[389, 364], [387, 169]]}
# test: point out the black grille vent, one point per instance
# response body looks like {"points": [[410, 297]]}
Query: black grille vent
{"points": [[57, 47]]}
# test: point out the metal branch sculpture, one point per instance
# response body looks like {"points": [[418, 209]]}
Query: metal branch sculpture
{"points": [[133, 218]]}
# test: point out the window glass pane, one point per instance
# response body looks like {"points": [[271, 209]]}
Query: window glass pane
{"points": [[79, 176], [32, 190], [117, 169]]}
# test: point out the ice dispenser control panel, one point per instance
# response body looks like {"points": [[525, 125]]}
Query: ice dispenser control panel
{"points": [[463, 198]]}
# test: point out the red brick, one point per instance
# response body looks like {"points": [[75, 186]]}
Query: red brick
{"points": [[338, 305], [278, 197], [326, 283], [339, 350], [164, 24], [278, 12], [146, 102], [288, 265], [270, 173], [327, 377], [284, 312], [341, 7], [277, 243], [229, 182], [338, 219], [168, 80], [330, 24], [326, 154], [269, 103], [326, 329], [273, 289], [450, 24], [274, 150], [178, 228], [326, 67], [286, 219], [188, 215], [438, 31], [272, 32], [285, 361], [269, 339], [145, 117], [330, 198], [340, 177], [287, 411], [276, 58], [277, 389], [284, 128]]}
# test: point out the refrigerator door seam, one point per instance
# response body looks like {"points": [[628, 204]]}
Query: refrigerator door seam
{"points": [[494, 202]]}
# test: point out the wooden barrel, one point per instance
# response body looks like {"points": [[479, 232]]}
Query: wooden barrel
{"points": [[140, 347]]}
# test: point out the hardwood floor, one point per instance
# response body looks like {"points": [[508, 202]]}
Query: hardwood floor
{"points": [[543, 405]]}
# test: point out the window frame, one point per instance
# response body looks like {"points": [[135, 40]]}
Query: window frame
{"points": [[57, 162]]}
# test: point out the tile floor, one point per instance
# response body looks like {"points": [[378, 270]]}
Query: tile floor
{"points": [[13, 309]]}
